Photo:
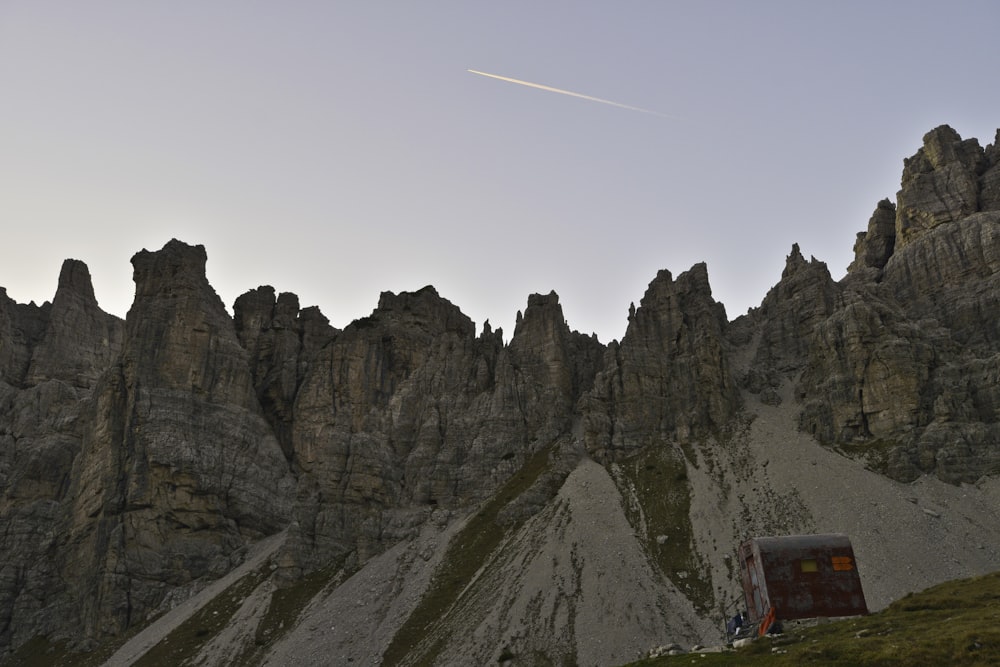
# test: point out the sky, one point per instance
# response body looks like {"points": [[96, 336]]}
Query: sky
{"points": [[340, 149]]}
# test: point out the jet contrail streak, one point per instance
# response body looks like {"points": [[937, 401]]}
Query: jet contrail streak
{"points": [[566, 92]]}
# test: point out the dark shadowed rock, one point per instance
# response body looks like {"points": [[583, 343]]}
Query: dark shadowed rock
{"points": [[178, 469], [940, 183], [902, 363], [39, 439], [281, 342], [21, 328], [669, 380], [989, 182], [408, 411], [790, 313], [873, 248], [80, 341], [55, 354]]}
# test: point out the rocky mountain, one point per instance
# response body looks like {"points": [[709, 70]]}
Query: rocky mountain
{"points": [[262, 488]]}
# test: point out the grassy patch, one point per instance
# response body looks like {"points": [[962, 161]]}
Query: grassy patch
{"points": [[467, 552], [873, 453], [182, 644], [191, 635], [955, 623], [657, 478], [42, 652], [284, 608]]}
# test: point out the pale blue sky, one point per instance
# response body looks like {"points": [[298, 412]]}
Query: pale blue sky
{"points": [[339, 149]]}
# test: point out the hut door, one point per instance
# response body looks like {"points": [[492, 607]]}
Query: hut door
{"points": [[758, 598]]}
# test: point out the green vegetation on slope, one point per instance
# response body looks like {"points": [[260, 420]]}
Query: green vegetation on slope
{"points": [[955, 623], [656, 479], [40, 652], [467, 552], [285, 607], [203, 625], [874, 453]]}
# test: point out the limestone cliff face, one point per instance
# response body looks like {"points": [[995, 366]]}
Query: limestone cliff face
{"points": [[50, 357], [21, 327], [178, 468], [282, 341], [80, 340], [788, 317], [905, 363], [136, 457], [874, 247], [39, 438], [408, 410], [940, 183], [669, 380]]}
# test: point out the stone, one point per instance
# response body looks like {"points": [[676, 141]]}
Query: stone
{"points": [[940, 183], [791, 312], [80, 341], [669, 380], [989, 181], [407, 410], [874, 248], [282, 341], [160, 477], [21, 328], [902, 363]]}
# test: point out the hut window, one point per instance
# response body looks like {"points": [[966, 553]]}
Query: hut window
{"points": [[842, 563], [808, 565]]}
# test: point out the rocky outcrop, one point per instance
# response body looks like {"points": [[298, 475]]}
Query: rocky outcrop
{"points": [[145, 455], [282, 341], [873, 248], [39, 439], [80, 340], [901, 365], [940, 183], [407, 411], [49, 357], [989, 182], [178, 469], [952, 273], [669, 380], [868, 374], [21, 328], [791, 311]]}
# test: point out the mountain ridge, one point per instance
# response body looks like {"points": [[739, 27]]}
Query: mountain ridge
{"points": [[142, 458]]}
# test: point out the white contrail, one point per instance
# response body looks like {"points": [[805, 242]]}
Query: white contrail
{"points": [[566, 92]]}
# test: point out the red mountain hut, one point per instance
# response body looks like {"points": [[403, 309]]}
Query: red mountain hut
{"points": [[799, 576]]}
